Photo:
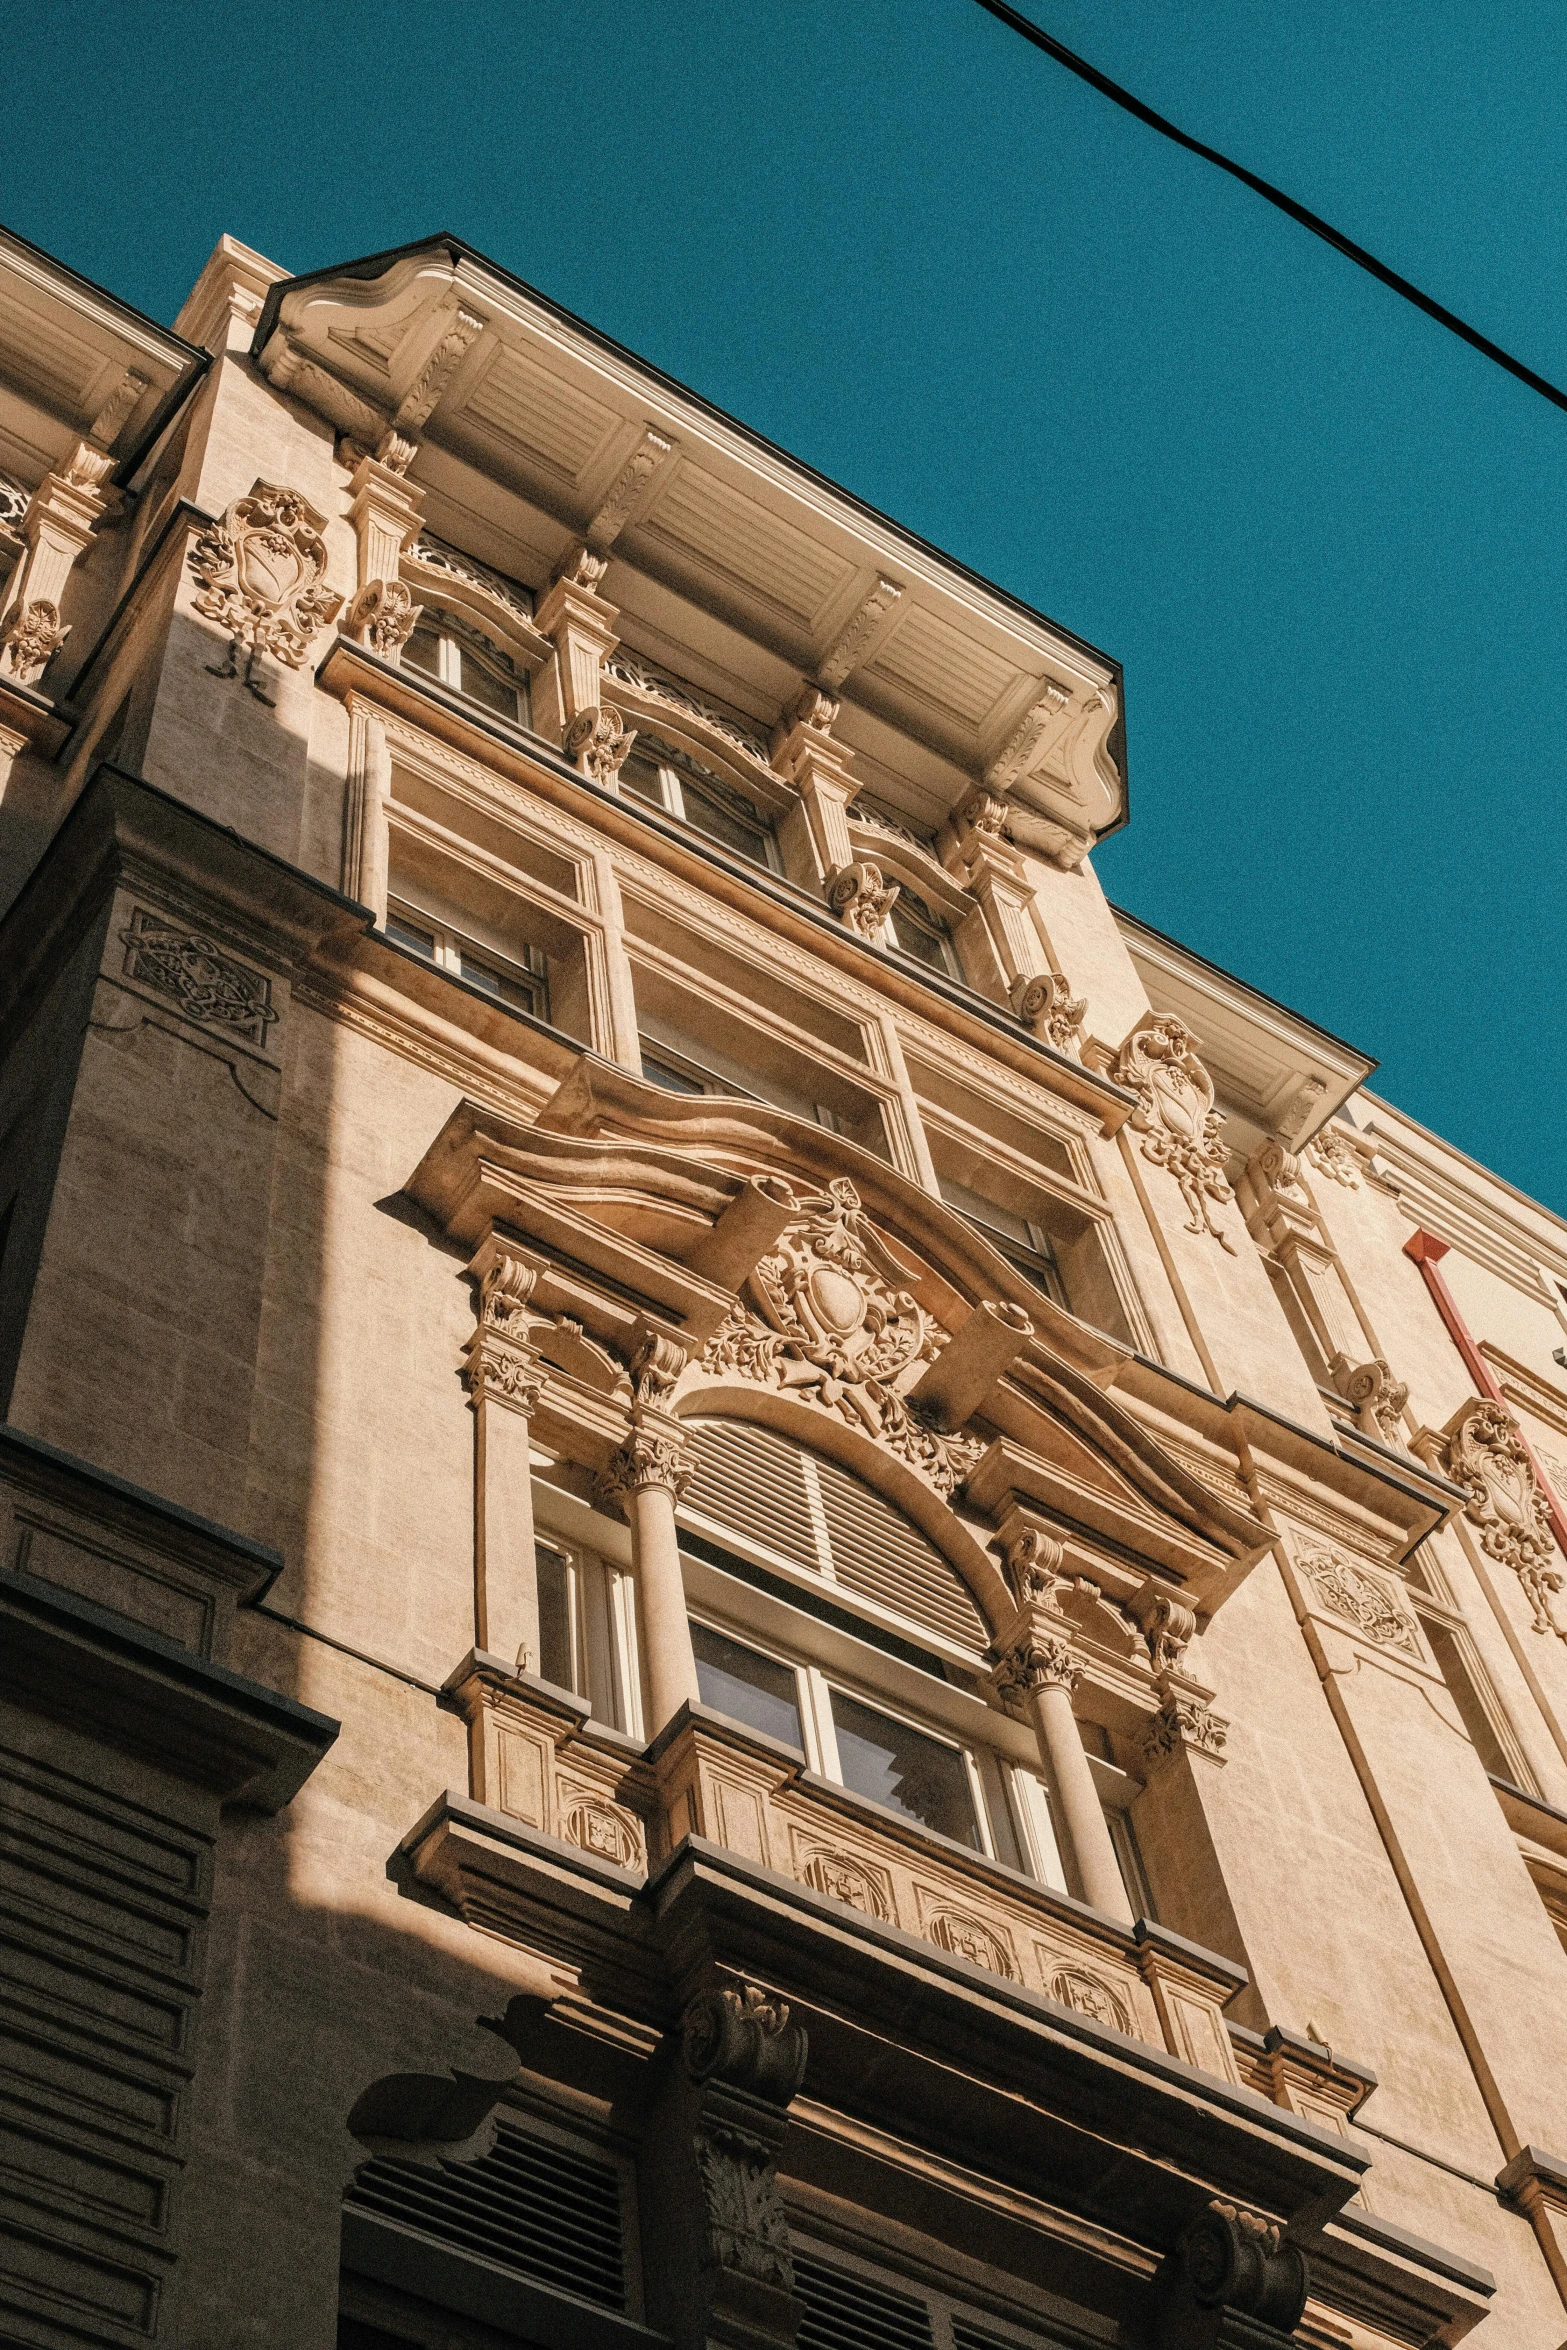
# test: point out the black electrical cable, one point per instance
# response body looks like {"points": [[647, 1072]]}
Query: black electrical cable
{"points": [[1275, 196]]}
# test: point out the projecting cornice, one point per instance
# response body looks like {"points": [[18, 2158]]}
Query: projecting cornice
{"points": [[435, 343]]}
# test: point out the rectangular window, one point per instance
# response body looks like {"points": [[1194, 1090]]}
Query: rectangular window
{"points": [[557, 1616], [747, 1686], [908, 1771], [703, 800], [521, 983]]}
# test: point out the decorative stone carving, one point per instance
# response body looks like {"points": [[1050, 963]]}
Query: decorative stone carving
{"points": [[861, 898], [429, 553], [829, 1321], [624, 492], [1484, 1453], [1364, 1599], [194, 974], [745, 2060], [502, 1364], [642, 677], [14, 502], [812, 706], [743, 2036], [597, 741], [1332, 1156], [850, 645], [970, 1938], [110, 420], [843, 1878], [583, 567], [29, 640], [1046, 1004], [1183, 1723], [1034, 1568], [463, 328], [1075, 1987], [1233, 2261], [1033, 1658], [596, 1827], [1018, 749], [1168, 1625], [1176, 1118], [1378, 1399], [656, 1367], [262, 571], [651, 1455], [986, 813], [382, 616]]}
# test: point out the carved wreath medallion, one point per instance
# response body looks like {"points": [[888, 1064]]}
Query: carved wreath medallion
{"points": [[826, 1317]]}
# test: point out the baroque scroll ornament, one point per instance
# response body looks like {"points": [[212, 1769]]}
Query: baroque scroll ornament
{"points": [[829, 1321], [1486, 1455], [1176, 1118], [262, 571]]}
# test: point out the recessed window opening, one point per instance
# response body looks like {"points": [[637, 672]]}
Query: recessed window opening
{"points": [[1472, 1709], [694, 795], [455, 653], [922, 933], [521, 984], [558, 1617], [1020, 1240]]}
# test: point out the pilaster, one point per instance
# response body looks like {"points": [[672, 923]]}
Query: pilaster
{"points": [[504, 1377]]}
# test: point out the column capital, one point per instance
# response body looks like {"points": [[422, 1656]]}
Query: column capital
{"points": [[1184, 1724], [503, 1365], [654, 1456], [1037, 1655]]}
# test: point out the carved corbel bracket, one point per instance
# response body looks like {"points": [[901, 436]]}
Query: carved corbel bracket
{"points": [[1167, 1623], [954, 1387], [1375, 1396], [1045, 1003], [597, 740], [502, 1364], [744, 2060], [1233, 2281], [861, 897]]}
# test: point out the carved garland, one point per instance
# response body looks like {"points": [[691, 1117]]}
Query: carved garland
{"points": [[1176, 1118], [825, 1318]]}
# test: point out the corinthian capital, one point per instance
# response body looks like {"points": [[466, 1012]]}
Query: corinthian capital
{"points": [[1035, 1657], [654, 1454]]}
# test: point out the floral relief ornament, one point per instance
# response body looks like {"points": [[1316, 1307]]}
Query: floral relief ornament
{"points": [[1176, 1118], [262, 571], [827, 1318], [1485, 1454]]}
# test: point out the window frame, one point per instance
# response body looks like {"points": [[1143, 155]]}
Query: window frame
{"points": [[673, 783], [454, 635], [449, 945], [931, 924], [814, 1693]]}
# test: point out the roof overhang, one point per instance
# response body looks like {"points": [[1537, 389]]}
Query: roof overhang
{"points": [[435, 342], [73, 358], [1274, 1072]]}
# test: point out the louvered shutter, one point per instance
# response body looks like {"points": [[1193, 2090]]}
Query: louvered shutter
{"points": [[841, 2311], [530, 2205], [805, 1508]]}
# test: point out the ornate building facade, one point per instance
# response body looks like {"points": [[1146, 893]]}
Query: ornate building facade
{"points": [[765, 1584]]}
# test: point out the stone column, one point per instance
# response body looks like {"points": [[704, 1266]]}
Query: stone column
{"points": [[646, 1478], [385, 515], [57, 526], [504, 1379], [1039, 1666], [568, 698]]}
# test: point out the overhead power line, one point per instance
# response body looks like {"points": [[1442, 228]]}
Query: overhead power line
{"points": [[1275, 196]]}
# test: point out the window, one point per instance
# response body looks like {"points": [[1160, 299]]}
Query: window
{"points": [[557, 1617], [879, 1755], [455, 653], [679, 1072], [921, 933], [675, 783], [1021, 1241], [522, 984]]}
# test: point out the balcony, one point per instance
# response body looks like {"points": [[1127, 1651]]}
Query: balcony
{"points": [[536, 1756]]}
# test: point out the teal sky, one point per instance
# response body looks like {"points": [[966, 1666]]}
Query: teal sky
{"points": [[1328, 541]]}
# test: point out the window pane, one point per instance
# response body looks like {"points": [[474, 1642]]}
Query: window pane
{"points": [[747, 1687], [673, 1080], [554, 1616], [482, 684], [721, 824], [641, 778], [904, 1769], [524, 995], [918, 933], [409, 934], [423, 650]]}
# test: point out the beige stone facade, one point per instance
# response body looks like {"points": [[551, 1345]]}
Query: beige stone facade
{"points": [[763, 1582]]}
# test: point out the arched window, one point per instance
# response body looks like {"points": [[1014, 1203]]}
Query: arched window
{"points": [[921, 932], [458, 655], [683, 788]]}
